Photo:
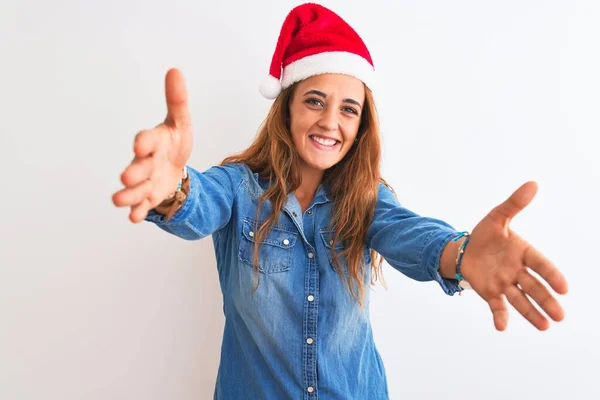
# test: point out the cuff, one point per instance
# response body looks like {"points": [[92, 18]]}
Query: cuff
{"points": [[434, 247]]}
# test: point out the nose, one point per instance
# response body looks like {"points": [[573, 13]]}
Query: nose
{"points": [[329, 119]]}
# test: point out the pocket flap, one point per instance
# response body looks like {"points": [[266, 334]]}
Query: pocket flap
{"points": [[277, 237], [327, 237]]}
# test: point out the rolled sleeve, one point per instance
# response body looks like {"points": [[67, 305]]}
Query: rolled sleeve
{"points": [[410, 243], [432, 255]]}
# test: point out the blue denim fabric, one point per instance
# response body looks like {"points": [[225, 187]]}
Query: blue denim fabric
{"points": [[301, 335]]}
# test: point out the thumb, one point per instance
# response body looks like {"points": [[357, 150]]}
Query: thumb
{"points": [[520, 199], [178, 113]]}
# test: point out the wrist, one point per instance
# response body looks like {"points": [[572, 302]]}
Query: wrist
{"points": [[448, 258], [460, 261], [184, 174], [169, 207]]}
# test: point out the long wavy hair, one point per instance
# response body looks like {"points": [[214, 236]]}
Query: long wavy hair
{"points": [[354, 183]]}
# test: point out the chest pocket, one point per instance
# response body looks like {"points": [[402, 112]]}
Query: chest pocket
{"points": [[276, 249], [327, 237]]}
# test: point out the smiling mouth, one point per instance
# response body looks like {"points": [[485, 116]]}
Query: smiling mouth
{"points": [[321, 142]]}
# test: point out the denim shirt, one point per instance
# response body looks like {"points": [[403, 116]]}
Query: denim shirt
{"points": [[301, 335]]}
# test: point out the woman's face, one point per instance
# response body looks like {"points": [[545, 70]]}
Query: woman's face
{"points": [[326, 107]]}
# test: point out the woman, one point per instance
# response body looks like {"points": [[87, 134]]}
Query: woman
{"points": [[305, 211]]}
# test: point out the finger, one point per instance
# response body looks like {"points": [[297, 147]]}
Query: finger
{"points": [[500, 312], [521, 303], [546, 269], [132, 196], [147, 141], [139, 211], [538, 292], [177, 101], [138, 171]]}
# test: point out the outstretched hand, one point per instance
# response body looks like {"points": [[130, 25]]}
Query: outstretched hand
{"points": [[496, 263], [160, 154]]}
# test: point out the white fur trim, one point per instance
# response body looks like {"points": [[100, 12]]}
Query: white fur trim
{"points": [[340, 62], [270, 87]]}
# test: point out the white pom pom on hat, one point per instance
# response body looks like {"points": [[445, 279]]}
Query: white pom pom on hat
{"points": [[270, 87], [314, 40]]}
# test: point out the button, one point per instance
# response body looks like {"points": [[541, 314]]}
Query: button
{"points": [[310, 389], [310, 255], [309, 212], [251, 234], [286, 242], [311, 297], [294, 214], [309, 341]]}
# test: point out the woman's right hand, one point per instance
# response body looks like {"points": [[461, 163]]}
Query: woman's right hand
{"points": [[160, 154]]}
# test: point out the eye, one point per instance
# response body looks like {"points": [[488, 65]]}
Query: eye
{"points": [[314, 102], [350, 110]]}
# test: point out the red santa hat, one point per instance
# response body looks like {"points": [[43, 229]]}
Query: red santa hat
{"points": [[315, 40]]}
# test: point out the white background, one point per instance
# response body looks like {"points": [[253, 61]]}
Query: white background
{"points": [[477, 98]]}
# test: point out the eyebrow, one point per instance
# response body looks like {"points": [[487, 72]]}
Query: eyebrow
{"points": [[323, 95]]}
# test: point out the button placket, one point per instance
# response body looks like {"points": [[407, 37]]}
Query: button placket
{"points": [[309, 359], [310, 321]]}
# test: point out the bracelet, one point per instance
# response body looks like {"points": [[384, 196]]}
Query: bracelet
{"points": [[184, 176], [168, 208], [462, 283]]}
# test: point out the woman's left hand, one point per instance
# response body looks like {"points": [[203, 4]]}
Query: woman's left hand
{"points": [[496, 262]]}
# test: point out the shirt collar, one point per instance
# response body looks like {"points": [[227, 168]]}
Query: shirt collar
{"points": [[322, 195]]}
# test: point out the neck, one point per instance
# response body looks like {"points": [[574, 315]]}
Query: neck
{"points": [[311, 179]]}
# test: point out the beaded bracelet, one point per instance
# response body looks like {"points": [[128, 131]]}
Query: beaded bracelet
{"points": [[184, 175], [168, 208], [463, 284]]}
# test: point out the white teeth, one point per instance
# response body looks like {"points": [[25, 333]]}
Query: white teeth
{"points": [[324, 142]]}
